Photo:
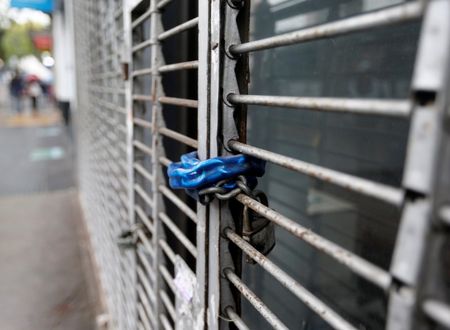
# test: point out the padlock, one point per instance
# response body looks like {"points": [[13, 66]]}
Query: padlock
{"points": [[257, 230]]}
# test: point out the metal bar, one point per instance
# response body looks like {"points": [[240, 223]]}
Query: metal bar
{"points": [[143, 195], [397, 14], [141, 72], [145, 302], [360, 266], [179, 66], [142, 45], [144, 218], [142, 147], [144, 318], [163, 3], [379, 191], [178, 29], [178, 137], [165, 161], [167, 250], [167, 277], [234, 317], [444, 214], [165, 323], [145, 98], [141, 19], [400, 108], [146, 264], [438, 312], [142, 123], [178, 234], [139, 168], [146, 242], [147, 286], [178, 101], [178, 202], [316, 305], [253, 299], [168, 304]]}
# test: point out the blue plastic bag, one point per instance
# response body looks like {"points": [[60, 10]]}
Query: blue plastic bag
{"points": [[193, 174]]}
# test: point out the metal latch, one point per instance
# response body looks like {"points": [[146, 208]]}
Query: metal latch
{"points": [[127, 238], [257, 230]]}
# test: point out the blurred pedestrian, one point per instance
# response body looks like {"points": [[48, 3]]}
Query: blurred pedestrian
{"points": [[34, 91], [16, 89]]}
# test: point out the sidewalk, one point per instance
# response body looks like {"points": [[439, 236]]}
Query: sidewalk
{"points": [[43, 273]]}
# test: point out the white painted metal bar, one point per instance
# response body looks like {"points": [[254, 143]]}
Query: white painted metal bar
{"points": [[401, 13], [178, 66], [178, 29], [168, 304], [141, 170], [142, 45], [167, 278], [165, 161], [142, 123], [165, 323], [316, 305], [396, 108], [141, 19], [234, 317], [144, 318], [178, 202], [161, 4], [142, 147], [141, 192], [144, 98], [146, 243], [376, 190], [147, 286], [360, 266], [178, 234], [145, 303], [438, 312], [167, 250], [141, 72], [254, 300], [178, 137], [144, 261], [144, 218]]}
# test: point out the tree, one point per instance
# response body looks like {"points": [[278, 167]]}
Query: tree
{"points": [[16, 41]]}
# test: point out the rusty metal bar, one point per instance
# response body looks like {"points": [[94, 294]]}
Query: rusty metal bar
{"points": [[144, 218], [178, 202], [142, 123], [398, 108], [141, 72], [234, 317], [178, 234], [376, 190], [311, 301], [178, 137], [167, 250], [360, 266], [168, 304], [179, 66], [438, 312], [178, 29], [140, 169], [253, 299], [141, 192], [397, 14], [178, 101], [142, 147]]}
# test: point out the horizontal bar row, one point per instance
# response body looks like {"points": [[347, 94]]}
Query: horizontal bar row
{"points": [[178, 29], [143, 195], [316, 305], [144, 44], [167, 68], [438, 312], [178, 202], [397, 14], [142, 123], [253, 299], [141, 19], [359, 106], [357, 264], [141, 170], [379, 191], [178, 137], [178, 234]]}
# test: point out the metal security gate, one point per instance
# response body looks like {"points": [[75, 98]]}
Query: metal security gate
{"points": [[157, 79]]}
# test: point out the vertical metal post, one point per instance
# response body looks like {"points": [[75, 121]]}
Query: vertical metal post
{"points": [[425, 140]]}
